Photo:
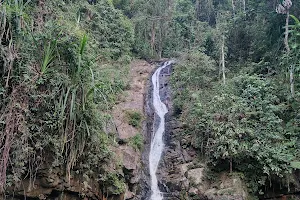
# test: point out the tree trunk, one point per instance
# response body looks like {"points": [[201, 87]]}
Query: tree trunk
{"points": [[244, 6], [197, 8], [230, 163], [292, 81], [160, 39], [223, 60], [153, 32], [233, 7], [286, 34], [287, 47]]}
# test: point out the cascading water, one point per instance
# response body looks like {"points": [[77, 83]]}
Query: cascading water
{"points": [[157, 143]]}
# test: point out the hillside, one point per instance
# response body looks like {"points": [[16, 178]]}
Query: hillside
{"points": [[77, 118]]}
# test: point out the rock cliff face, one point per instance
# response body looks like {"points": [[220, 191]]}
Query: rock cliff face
{"points": [[182, 175], [133, 101], [151, 123]]}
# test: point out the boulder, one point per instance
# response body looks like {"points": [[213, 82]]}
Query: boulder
{"points": [[196, 176], [230, 186], [130, 158], [184, 168]]}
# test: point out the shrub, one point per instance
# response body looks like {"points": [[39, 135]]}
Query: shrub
{"points": [[137, 141], [134, 118]]}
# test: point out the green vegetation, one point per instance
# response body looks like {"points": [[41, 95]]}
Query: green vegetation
{"points": [[62, 68], [137, 141], [113, 183], [243, 113], [295, 165], [64, 65], [134, 118]]}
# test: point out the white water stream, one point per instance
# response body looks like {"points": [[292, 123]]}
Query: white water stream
{"points": [[157, 143]]}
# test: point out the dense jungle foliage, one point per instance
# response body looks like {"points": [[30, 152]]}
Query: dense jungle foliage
{"points": [[62, 69], [63, 64], [234, 92]]}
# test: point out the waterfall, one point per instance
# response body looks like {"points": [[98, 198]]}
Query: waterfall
{"points": [[157, 143]]}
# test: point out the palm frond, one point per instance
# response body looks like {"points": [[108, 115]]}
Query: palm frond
{"points": [[83, 44], [295, 19], [49, 56]]}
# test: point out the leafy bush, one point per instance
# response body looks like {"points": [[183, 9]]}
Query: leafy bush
{"points": [[242, 122], [113, 183]]}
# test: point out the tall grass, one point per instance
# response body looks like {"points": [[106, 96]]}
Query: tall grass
{"points": [[75, 127]]}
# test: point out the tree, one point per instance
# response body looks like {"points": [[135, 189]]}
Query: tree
{"points": [[223, 60], [284, 8], [241, 124]]}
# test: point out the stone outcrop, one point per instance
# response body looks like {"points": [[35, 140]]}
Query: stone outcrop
{"points": [[53, 184]]}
